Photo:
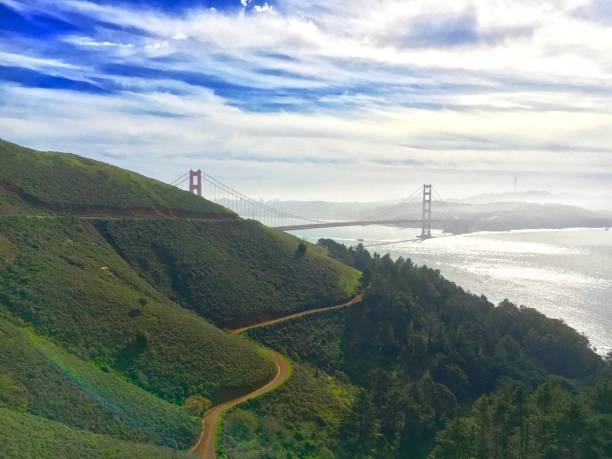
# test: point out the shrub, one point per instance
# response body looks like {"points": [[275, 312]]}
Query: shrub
{"points": [[196, 405]]}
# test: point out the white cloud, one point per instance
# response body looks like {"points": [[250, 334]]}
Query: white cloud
{"points": [[263, 8], [386, 86]]}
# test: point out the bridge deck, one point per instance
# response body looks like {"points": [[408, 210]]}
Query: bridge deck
{"points": [[357, 223]]}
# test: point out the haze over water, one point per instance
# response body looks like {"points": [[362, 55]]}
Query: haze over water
{"points": [[566, 274]]}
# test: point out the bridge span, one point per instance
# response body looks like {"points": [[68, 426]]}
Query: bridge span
{"points": [[214, 190], [417, 222]]}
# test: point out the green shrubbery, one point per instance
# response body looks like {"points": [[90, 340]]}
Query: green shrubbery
{"points": [[70, 285], [24, 436], [422, 351], [301, 419], [197, 405], [317, 339], [230, 272], [35, 182], [39, 377]]}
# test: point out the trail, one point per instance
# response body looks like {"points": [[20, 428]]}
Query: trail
{"points": [[205, 447], [296, 315]]}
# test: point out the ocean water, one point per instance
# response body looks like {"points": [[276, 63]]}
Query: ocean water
{"points": [[566, 274]]}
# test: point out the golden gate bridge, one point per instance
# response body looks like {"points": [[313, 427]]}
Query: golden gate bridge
{"points": [[402, 213]]}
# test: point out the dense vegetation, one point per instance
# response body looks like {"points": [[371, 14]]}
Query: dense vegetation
{"points": [[39, 377], [424, 352], [102, 339], [230, 272], [43, 182], [66, 281], [316, 339], [552, 422], [301, 419], [24, 436]]}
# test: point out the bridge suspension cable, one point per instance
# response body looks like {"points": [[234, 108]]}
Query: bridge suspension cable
{"points": [[246, 207], [387, 210], [180, 180], [446, 205]]}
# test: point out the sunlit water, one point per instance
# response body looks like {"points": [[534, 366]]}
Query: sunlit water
{"points": [[565, 274]]}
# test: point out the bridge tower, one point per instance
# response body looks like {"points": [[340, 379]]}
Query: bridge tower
{"points": [[195, 182], [426, 221]]}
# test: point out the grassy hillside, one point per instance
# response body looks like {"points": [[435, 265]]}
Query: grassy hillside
{"points": [[230, 272], [103, 320], [44, 182], [24, 436], [39, 377], [63, 278], [304, 418]]}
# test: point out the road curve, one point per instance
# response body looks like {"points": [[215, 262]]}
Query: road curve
{"points": [[205, 447], [309, 312]]}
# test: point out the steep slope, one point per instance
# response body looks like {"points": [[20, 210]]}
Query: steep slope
{"points": [[304, 418], [24, 436], [105, 292], [230, 272], [40, 378], [48, 182], [63, 278]]}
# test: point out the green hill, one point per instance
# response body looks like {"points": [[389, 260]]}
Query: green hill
{"points": [[40, 378], [230, 272], [66, 281], [23, 436], [103, 313], [47, 182]]}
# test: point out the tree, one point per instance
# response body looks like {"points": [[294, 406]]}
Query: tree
{"points": [[301, 250]]}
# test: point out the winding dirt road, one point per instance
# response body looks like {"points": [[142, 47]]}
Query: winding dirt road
{"points": [[205, 447], [309, 312]]}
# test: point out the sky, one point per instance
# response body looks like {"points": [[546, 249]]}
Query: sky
{"points": [[337, 100]]}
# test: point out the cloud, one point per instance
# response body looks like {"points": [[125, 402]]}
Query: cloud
{"points": [[383, 86]]}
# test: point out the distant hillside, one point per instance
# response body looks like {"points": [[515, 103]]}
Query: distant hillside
{"points": [[517, 196], [46, 182], [487, 212]]}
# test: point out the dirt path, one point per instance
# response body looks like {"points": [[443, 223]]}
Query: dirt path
{"points": [[309, 312], [205, 447]]}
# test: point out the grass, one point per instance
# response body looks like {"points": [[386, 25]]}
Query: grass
{"points": [[72, 287], [230, 272], [301, 419], [40, 378], [24, 436], [42, 182]]}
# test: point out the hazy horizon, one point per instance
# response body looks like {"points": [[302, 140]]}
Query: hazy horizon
{"points": [[355, 100]]}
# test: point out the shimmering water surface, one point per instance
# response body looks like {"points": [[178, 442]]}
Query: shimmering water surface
{"points": [[565, 274]]}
